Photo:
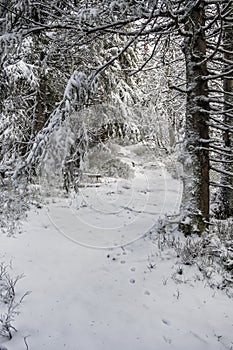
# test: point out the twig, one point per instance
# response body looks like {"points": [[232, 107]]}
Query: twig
{"points": [[25, 341]]}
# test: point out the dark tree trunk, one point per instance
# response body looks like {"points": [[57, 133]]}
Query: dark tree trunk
{"points": [[226, 193], [195, 204]]}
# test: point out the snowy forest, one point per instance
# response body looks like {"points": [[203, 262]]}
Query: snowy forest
{"points": [[116, 133]]}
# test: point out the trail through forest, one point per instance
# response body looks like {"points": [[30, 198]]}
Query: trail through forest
{"points": [[99, 279]]}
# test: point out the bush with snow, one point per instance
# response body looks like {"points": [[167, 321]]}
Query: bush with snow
{"points": [[9, 303], [12, 210], [117, 168], [104, 159]]}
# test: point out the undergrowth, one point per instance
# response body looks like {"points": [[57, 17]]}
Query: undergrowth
{"points": [[9, 301], [211, 253], [15, 202]]}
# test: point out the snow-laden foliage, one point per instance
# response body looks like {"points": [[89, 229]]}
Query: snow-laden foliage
{"points": [[75, 90], [35, 68], [12, 211], [61, 57], [103, 159], [63, 162], [22, 71]]}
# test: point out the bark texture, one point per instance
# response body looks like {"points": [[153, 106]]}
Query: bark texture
{"points": [[226, 193], [195, 204]]}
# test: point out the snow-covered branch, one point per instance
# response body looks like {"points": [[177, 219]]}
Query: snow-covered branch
{"points": [[222, 171], [76, 92]]}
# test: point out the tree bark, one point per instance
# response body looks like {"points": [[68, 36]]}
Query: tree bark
{"points": [[195, 203], [226, 193]]}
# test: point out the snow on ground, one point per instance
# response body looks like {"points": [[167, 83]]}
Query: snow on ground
{"points": [[100, 282]]}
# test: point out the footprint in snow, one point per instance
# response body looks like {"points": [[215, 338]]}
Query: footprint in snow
{"points": [[166, 322], [167, 340], [147, 292]]}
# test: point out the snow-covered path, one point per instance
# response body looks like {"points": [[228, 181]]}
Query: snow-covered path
{"points": [[117, 211], [124, 298]]}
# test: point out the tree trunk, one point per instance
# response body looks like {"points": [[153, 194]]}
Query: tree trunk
{"points": [[226, 193], [3, 24], [195, 202]]}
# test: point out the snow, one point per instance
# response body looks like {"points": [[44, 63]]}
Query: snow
{"points": [[100, 281], [23, 70]]}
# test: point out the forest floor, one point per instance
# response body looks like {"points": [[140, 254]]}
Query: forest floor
{"points": [[99, 276]]}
